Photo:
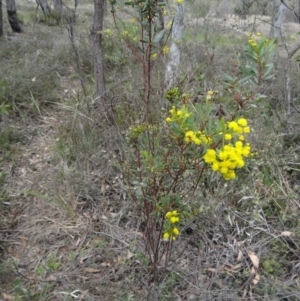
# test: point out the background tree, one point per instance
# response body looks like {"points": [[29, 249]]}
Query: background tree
{"points": [[12, 16], [58, 7], [177, 31], [275, 30], [99, 6], [1, 19], [45, 7]]}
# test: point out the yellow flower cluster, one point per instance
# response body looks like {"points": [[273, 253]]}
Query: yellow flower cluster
{"points": [[252, 40], [209, 94], [225, 153], [172, 231], [164, 11], [239, 127], [230, 156], [106, 32], [196, 138], [132, 31], [178, 115], [227, 159], [166, 50]]}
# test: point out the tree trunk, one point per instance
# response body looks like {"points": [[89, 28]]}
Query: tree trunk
{"points": [[161, 21], [276, 26], [76, 3], [12, 16], [58, 7], [99, 6], [1, 19], [45, 7], [177, 31]]}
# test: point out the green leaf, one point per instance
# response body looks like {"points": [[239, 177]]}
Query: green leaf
{"points": [[227, 78], [268, 77], [269, 68], [145, 154], [158, 36], [129, 3], [4, 111], [244, 79]]}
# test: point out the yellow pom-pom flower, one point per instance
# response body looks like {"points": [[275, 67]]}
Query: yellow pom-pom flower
{"points": [[175, 231], [230, 155], [210, 156], [189, 136], [228, 137], [246, 130], [174, 219], [171, 231], [166, 235], [242, 122], [233, 126], [166, 50]]}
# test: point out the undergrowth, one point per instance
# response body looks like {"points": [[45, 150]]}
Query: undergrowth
{"points": [[82, 225]]}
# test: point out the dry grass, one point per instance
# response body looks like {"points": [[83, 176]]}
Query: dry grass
{"points": [[69, 228]]}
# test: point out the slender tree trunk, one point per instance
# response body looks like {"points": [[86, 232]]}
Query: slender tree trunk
{"points": [[12, 16], [58, 7], [1, 19], [161, 22], [276, 26], [177, 31], [45, 7], [99, 6]]}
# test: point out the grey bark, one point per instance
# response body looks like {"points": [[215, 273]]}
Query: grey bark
{"points": [[288, 94], [1, 19], [287, 69], [12, 16], [99, 6], [45, 7], [161, 22], [177, 31], [276, 24], [58, 7]]}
